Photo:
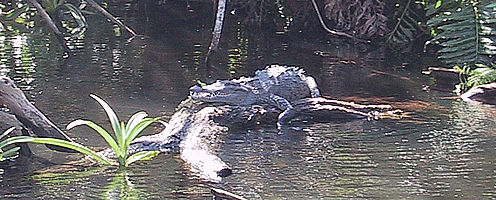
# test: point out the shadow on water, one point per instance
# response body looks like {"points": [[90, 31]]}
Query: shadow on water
{"points": [[445, 149]]}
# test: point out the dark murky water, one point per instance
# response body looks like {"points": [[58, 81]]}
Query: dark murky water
{"points": [[445, 150]]}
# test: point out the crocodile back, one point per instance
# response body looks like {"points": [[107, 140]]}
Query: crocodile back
{"points": [[287, 82]]}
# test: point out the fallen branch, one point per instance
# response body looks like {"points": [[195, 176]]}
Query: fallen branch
{"points": [[100, 9], [52, 25], [15, 100], [335, 109]]}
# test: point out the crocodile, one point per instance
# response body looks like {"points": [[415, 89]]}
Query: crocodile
{"points": [[275, 85]]}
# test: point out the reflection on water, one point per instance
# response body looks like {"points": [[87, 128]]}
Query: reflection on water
{"points": [[445, 150], [382, 159]]}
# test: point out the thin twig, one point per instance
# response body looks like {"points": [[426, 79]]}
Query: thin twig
{"points": [[52, 25], [99, 8], [321, 20]]}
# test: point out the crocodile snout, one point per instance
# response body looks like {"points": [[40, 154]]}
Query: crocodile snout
{"points": [[195, 89]]}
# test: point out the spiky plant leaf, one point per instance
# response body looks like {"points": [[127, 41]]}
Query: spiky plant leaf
{"points": [[143, 155], [10, 152], [114, 121], [124, 133], [58, 142], [135, 120], [138, 128], [108, 138], [7, 132]]}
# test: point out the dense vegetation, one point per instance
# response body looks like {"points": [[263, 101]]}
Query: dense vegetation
{"points": [[462, 32]]}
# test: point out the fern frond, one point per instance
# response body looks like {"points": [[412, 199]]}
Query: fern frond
{"points": [[466, 33], [406, 28], [481, 76]]}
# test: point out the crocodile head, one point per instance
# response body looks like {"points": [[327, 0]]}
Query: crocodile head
{"points": [[224, 91]]}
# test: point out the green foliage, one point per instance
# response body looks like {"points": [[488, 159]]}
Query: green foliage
{"points": [[360, 18], [465, 31], [54, 7], [9, 153], [124, 133], [58, 142], [482, 74], [78, 17], [15, 15], [72, 16]]}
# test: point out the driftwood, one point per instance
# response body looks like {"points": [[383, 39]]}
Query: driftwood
{"points": [[196, 128]]}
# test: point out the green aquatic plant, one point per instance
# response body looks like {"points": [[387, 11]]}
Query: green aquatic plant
{"points": [[124, 133], [57, 142], [9, 153]]}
